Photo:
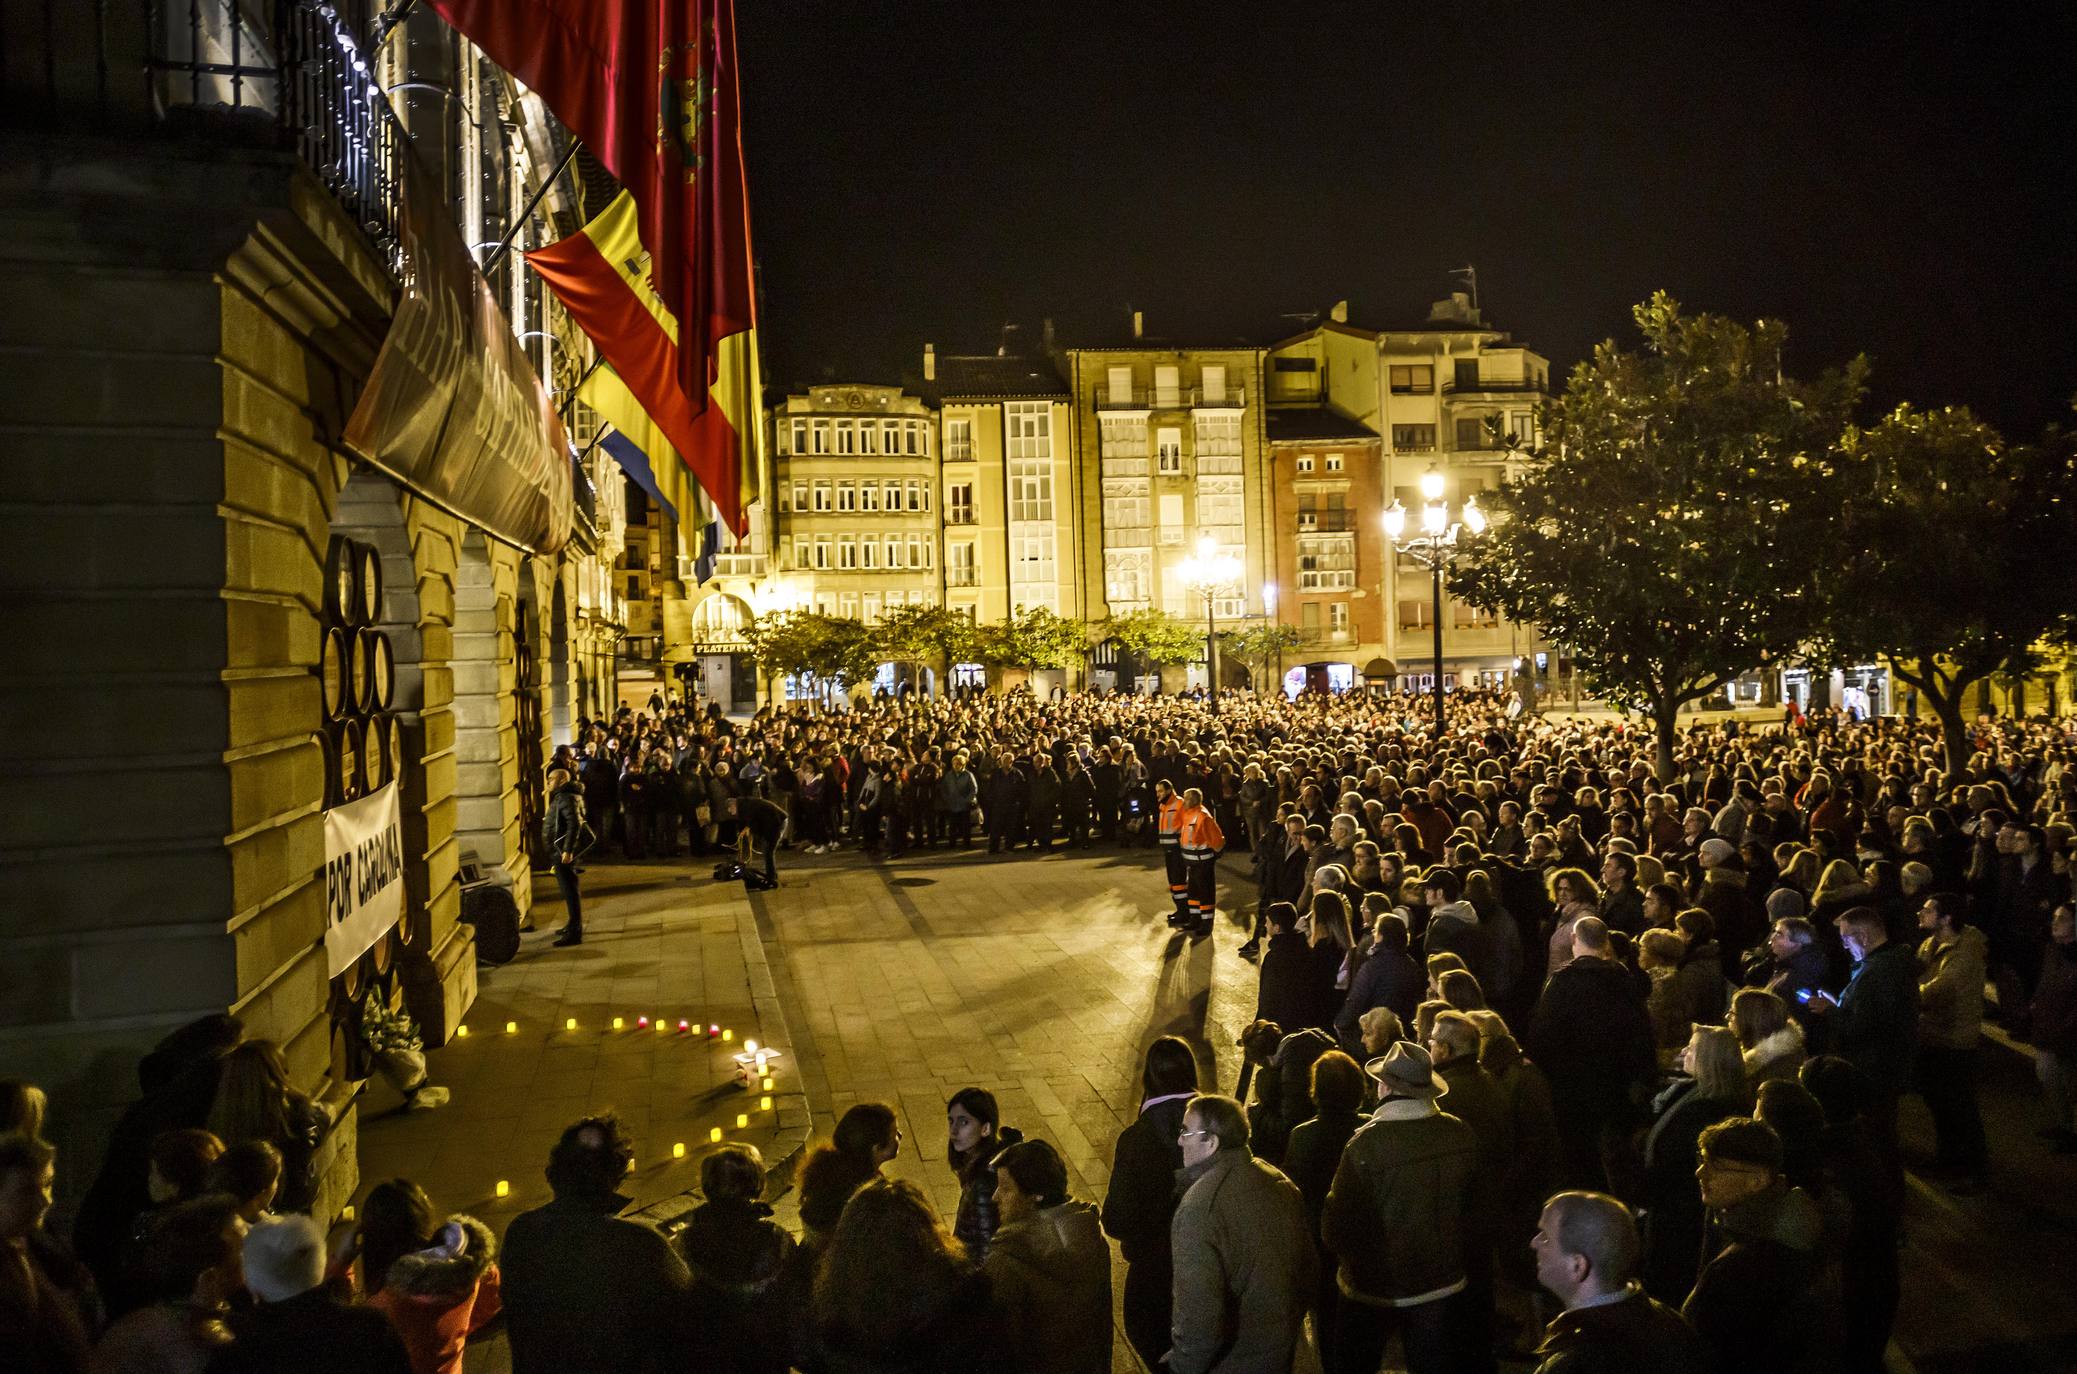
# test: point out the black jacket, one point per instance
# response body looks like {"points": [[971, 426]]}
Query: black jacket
{"points": [[587, 1289], [1875, 1025], [1289, 991], [976, 1219], [746, 1289], [312, 1334], [1141, 1200], [1637, 1335], [1592, 1038]]}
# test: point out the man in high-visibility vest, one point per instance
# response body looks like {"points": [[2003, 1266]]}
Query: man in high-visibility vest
{"points": [[1168, 820], [1200, 839]]}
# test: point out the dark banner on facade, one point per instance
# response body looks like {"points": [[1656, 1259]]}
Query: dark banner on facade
{"points": [[453, 406]]}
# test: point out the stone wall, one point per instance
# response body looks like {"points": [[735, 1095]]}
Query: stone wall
{"points": [[187, 329]]}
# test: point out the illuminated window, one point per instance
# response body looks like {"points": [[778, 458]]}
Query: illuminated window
{"points": [[1416, 379], [959, 441], [1334, 462], [1305, 462], [959, 503], [1168, 452]]}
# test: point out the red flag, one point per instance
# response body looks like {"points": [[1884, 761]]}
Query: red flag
{"points": [[651, 87]]}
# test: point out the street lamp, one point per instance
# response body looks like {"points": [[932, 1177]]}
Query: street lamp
{"points": [[1434, 548], [1209, 572]]}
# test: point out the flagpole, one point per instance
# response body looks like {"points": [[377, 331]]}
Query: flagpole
{"points": [[562, 412], [519, 220]]}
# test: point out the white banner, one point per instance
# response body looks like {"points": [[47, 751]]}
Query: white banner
{"points": [[364, 875]]}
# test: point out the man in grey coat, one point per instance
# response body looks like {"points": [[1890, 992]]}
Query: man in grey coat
{"points": [[1244, 1254]]}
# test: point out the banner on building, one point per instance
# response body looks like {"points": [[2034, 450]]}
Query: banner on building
{"points": [[453, 407], [364, 875]]}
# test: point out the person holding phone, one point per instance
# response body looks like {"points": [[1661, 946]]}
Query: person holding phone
{"points": [[1873, 1024]]}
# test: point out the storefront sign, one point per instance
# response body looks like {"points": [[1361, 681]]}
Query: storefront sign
{"points": [[453, 406], [364, 875]]}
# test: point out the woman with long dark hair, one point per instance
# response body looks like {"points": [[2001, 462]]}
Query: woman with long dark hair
{"points": [[976, 1135], [896, 1292], [867, 1137]]}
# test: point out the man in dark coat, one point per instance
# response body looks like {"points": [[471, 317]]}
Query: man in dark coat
{"points": [[762, 821], [1141, 1201], [1043, 813], [1587, 1252], [564, 830], [1287, 987], [1592, 1037], [583, 1287], [1873, 1024], [1004, 799]]}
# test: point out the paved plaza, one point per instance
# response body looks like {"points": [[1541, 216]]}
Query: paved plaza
{"points": [[1042, 980]]}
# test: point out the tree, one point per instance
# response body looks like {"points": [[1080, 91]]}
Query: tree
{"points": [[1155, 636], [1265, 645], [1958, 564], [1034, 637], [927, 636], [1669, 526], [841, 651], [778, 644]]}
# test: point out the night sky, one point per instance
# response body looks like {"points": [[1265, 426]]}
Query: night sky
{"points": [[929, 172]]}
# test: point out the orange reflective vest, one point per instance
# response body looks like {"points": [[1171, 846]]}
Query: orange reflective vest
{"points": [[1200, 835], [1170, 820]]}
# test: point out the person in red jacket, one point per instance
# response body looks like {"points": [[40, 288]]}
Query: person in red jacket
{"points": [[1200, 840]]}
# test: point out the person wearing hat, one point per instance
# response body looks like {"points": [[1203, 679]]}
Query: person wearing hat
{"points": [[297, 1324], [1395, 1220], [564, 830], [1722, 891]]}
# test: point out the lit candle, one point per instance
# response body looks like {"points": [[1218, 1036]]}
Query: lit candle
{"points": [[504, 1188], [462, 1031], [570, 1024], [728, 1035], [715, 1135], [764, 1104], [684, 1026], [741, 1121], [511, 1028], [618, 1023], [678, 1150], [768, 1085], [750, 1047], [713, 1030], [347, 1215], [641, 1023]]}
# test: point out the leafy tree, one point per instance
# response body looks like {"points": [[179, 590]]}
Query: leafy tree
{"points": [[841, 650], [1956, 565], [1670, 525], [1034, 637], [934, 636], [1265, 646], [1155, 636], [778, 643]]}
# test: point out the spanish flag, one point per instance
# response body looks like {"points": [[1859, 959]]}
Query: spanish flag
{"points": [[633, 440], [601, 275], [652, 88]]}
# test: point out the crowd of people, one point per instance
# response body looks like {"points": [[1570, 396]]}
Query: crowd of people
{"points": [[1538, 1031]]}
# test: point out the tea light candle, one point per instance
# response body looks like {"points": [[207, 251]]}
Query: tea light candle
{"points": [[618, 1023], [504, 1188], [715, 1135], [511, 1028], [678, 1150], [570, 1024], [462, 1031], [741, 1121], [764, 1104]]}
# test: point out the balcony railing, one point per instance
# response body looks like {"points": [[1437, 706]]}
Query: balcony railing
{"points": [[1326, 521], [959, 577], [1491, 384], [1137, 397], [295, 74]]}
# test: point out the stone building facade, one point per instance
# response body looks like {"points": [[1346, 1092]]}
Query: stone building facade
{"points": [[195, 304]]}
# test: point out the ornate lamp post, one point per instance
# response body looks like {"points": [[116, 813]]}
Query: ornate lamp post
{"points": [[1209, 572], [1434, 548]]}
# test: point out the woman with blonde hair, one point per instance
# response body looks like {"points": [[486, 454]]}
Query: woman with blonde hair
{"points": [[1839, 887], [1715, 1088], [1658, 954], [1799, 867]]}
